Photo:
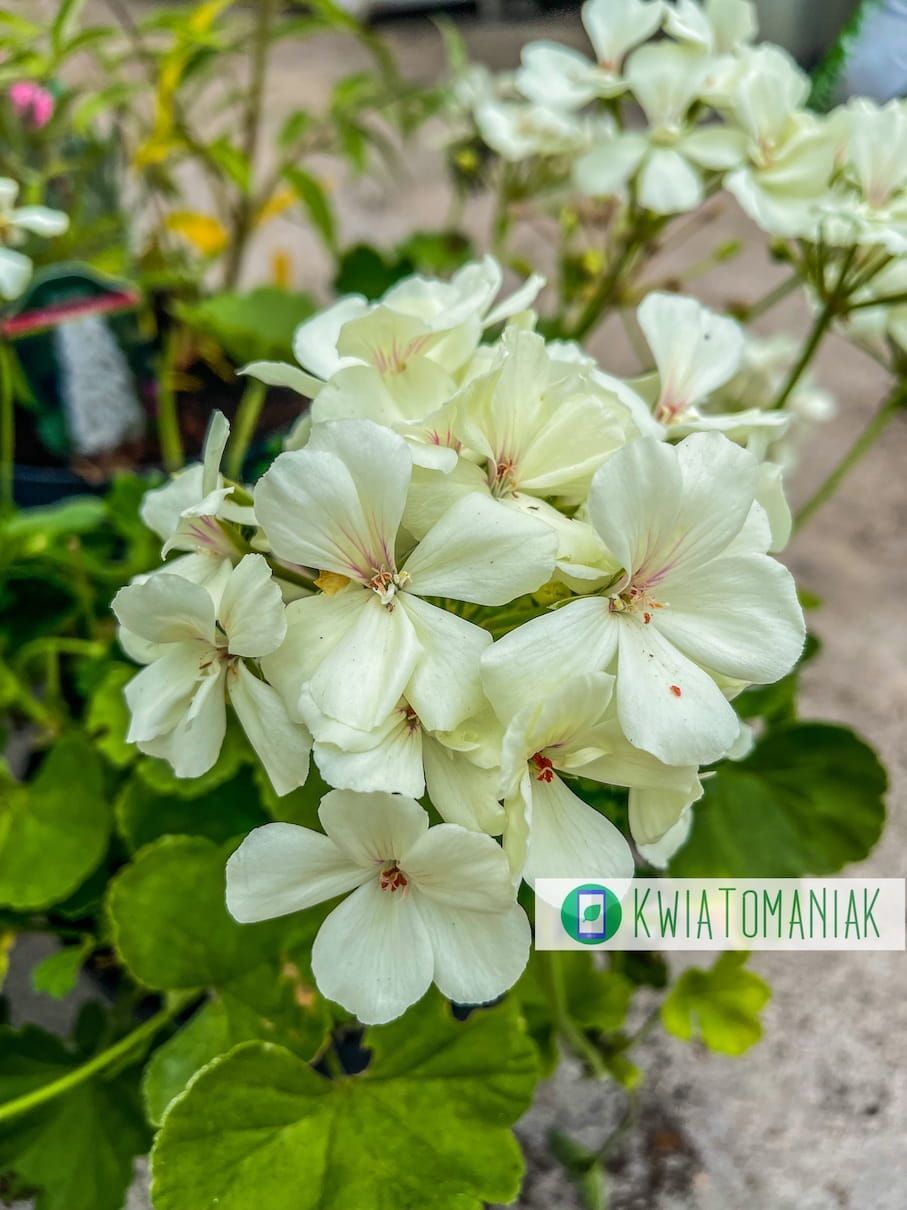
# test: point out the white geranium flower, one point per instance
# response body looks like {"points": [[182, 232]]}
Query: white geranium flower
{"points": [[418, 334], [186, 513], [200, 644], [427, 904], [696, 598], [789, 155], [459, 769], [869, 205], [718, 27], [16, 223], [559, 77], [872, 325], [518, 130], [666, 161], [371, 638]]}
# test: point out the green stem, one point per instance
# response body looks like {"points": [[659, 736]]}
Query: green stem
{"points": [[607, 287], [769, 300], [244, 425], [895, 402], [72, 1079], [569, 1031], [887, 300], [168, 425], [822, 323], [7, 429]]}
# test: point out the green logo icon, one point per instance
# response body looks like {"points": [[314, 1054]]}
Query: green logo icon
{"points": [[591, 914]]}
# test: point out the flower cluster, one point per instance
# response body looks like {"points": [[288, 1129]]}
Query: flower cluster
{"points": [[482, 571], [717, 110]]}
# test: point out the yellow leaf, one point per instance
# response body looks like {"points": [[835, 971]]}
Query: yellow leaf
{"points": [[203, 231], [206, 14], [276, 204]]}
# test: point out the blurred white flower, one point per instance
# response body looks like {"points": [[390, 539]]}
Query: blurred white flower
{"points": [[16, 224]]}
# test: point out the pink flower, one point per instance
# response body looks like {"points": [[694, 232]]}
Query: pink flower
{"points": [[32, 102]]}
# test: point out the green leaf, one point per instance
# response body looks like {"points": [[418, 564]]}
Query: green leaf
{"points": [[255, 326], [170, 923], [77, 1149], [312, 194], [721, 1006], [231, 809], [36, 527], [807, 800], [56, 974], [425, 1125], [363, 270], [159, 776], [107, 717], [272, 1003], [54, 830]]}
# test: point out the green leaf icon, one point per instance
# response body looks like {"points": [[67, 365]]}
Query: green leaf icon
{"points": [[592, 911]]}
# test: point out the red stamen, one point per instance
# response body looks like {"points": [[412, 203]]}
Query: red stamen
{"points": [[545, 769], [393, 879]]}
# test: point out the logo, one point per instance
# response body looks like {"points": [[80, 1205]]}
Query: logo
{"points": [[591, 914]]}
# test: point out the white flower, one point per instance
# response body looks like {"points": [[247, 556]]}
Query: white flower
{"points": [[666, 161], [789, 154], [696, 599], [414, 338], [337, 506], [719, 27], [562, 78], [459, 769], [200, 644], [872, 325], [428, 904], [518, 130], [186, 513], [16, 222]]}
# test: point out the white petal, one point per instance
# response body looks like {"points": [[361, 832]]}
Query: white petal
{"points": [[478, 955], [739, 616], [166, 609], [315, 625], [159, 696], [665, 80], [372, 829], [459, 869], [516, 302], [315, 341], [373, 955], [483, 552], [715, 147], [661, 852], [614, 26], [194, 744], [695, 350], [556, 75], [666, 704], [569, 839], [282, 374], [281, 868], [653, 813], [606, 169], [162, 507], [15, 273], [548, 653], [669, 184], [252, 611], [40, 220], [213, 450], [282, 745], [460, 791], [445, 686], [389, 758], [365, 674]]}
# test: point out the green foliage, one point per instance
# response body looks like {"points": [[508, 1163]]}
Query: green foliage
{"points": [[720, 1006], [229, 810], [56, 974], [425, 1124], [54, 831], [77, 1148], [255, 326], [809, 799]]}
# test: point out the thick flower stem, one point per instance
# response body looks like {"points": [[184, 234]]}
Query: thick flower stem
{"points": [[7, 429], [895, 403], [244, 426], [568, 1030], [49, 1092]]}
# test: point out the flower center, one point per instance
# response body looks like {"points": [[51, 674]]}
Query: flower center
{"points": [[386, 584], [392, 878], [635, 600], [544, 769], [502, 476]]}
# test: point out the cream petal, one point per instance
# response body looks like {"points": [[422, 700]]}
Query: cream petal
{"points": [[159, 696], [460, 791], [372, 829], [252, 612], [315, 341], [457, 868], [696, 351], [392, 761], [282, 746], [445, 686], [166, 609], [281, 868], [569, 839], [478, 955]]}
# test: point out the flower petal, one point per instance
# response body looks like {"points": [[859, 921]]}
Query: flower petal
{"points": [[459, 869], [605, 169], [478, 955], [166, 609], [569, 839], [315, 341], [445, 686], [669, 184], [484, 552], [252, 611], [460, 791], [193, 745], [281, 868], [695, 350], [282, 745], [15, 273], [372, 829], [159, 696], [373, 955], [389, 758]]}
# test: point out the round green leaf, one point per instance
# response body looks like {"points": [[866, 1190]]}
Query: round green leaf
{"points": [[53, 830], [807, 800], [427, 1124]]}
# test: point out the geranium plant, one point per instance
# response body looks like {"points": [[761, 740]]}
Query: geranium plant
{"points": [[495, 613]]}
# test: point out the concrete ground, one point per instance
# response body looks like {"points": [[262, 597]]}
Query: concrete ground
{"points": [[815, 1117]]}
